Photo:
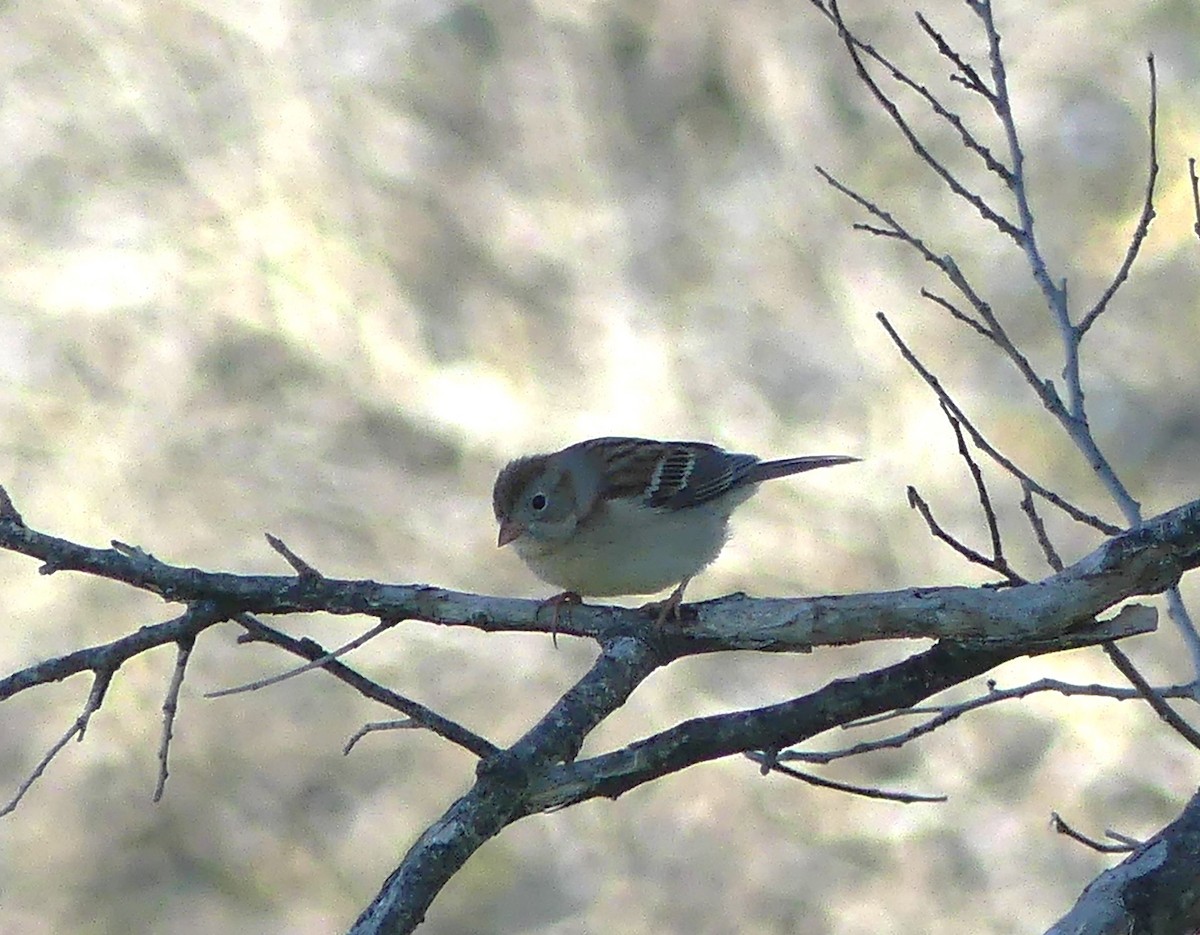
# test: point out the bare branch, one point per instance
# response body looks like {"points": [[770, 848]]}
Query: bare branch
{"points": [[76, 731], [1002, 105], [967, 76], [777, 726], [303, 569], [994, 330], [1195, 193], [904, 798], [318, 663], [1130, 842], [1063, 828], [958, 314], [1071, 415], [1152, 890], [111, 656], [407, 723], [1039, 528], [426, 717], [985, 501], [1143, 225], [1153, 698], [856, 48], [169, 708], [983, 445], [999, 566], [946, 714], [503, 785], [8, 512], [1178, 612], [1148, 559], [539, 772]]}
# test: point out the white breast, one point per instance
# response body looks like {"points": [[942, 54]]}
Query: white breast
{"points": [[626, 548]]}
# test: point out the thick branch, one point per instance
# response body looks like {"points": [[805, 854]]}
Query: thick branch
{"points": [[499, 794], [1145, 560], [537, 773], [791, 722]]}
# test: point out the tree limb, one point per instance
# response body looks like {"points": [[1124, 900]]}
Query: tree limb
{"points": [[1145, 560], [1155, 890]]}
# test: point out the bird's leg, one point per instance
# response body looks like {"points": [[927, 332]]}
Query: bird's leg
{"points": [[557, 602], [669, 607]]}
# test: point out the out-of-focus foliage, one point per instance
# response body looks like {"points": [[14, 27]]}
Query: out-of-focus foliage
{"points": [[319, 269]]}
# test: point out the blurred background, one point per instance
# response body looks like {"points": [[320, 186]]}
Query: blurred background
{"points": [[320, 269]]}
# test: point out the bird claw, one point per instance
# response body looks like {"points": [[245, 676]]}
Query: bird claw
{"points": [[669, 607], [556, 602]]}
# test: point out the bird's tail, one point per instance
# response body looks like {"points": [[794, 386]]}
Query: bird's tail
{"points": [[768, 470]]}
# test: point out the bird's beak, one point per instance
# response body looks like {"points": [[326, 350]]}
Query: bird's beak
{"points": [[508, 532]]}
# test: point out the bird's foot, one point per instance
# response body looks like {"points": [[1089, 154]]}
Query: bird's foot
{"points": [[669, 607], [557, 602]]}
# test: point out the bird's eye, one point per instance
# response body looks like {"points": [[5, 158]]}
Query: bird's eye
{"points": [[538, 501]]}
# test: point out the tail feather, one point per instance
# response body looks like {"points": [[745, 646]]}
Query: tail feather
{"points": [[768, 470]]}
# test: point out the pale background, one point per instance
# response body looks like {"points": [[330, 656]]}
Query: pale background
{"points": [[320, 269]]}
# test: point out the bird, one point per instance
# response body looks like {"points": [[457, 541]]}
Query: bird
{"points": [[612, 516]]}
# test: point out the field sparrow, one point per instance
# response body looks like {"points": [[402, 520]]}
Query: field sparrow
{"points": [[628, 515]]}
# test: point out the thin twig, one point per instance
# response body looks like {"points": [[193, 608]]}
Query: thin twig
{"points": [[95, 698], [985, 501], [1002, 106], [1039, 529], [898, 234], [917, 502], [982, 443], [869, 792], [1012, 176], [855, 46], [427, 717], [1131, 842], [1143, 225], [1195, 193], [944, 714], [968, 77], [1071, 415], [958, 314], [1182, 618], [1153, 697], [169, 708], [111, 656], [950, 270], [303, 569], [308, 666], [1063, 828], [401, 724]]}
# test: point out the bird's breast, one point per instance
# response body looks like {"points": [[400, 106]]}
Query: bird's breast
{"points": [[624, 547]]}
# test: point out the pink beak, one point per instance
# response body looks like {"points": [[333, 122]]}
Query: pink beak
{"points": [[508, 532]]}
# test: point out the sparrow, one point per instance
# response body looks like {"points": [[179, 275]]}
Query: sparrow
{"points": [[628, 515]]}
